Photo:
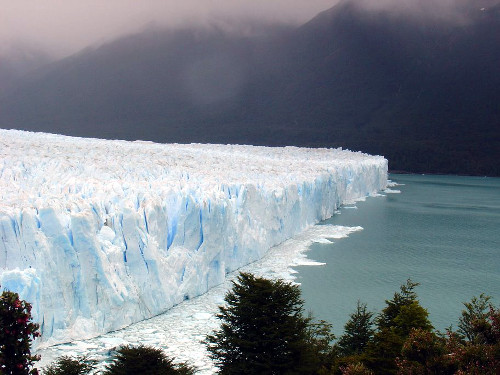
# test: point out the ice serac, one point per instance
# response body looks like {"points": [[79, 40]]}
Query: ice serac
{"points": [[99, 234]]}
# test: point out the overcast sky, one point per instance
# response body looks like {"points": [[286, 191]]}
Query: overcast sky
{"points": [[66, 26], [63, 27]]}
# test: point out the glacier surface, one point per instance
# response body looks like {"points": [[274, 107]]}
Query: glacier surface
{"points": [[99, 234], [180, 331]]}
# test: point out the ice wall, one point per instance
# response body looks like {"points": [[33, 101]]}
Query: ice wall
{"points": [[100, 234]]}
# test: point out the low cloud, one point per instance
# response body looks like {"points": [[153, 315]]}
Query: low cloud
{"points": [[63, 27]]}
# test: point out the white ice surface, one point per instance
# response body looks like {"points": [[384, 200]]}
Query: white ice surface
{"points": [[100, 234], [180, 330]]}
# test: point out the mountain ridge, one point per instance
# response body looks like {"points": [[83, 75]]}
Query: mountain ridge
{"points": [[422, 92]]}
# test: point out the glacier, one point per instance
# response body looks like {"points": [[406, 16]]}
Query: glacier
{"points": [[99, 234], [179, 331]]}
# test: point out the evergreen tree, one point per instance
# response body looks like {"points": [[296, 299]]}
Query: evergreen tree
{"points": [[358, 331], [145, 360], [70, 366], [404, 312], [401, 314], [16, 334], [410, 317], [264, 331], [404, 297]]}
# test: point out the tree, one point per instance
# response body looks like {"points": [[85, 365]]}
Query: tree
{"points": [[424, 352], [401, 314], [404, 312], [411, 316], [70, 366], [427, 353], [145, 360], [16, 334], [358, 331], [481, 355], [475, 311], [404, 297], [487, 329], [264, 331]]}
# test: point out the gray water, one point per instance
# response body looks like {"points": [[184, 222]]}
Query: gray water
{"points": [[441, 231]]}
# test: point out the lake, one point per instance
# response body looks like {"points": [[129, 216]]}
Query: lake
{"points": [[440, 231]]}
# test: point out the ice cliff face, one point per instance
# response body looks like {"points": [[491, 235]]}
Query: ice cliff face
{"points": [[99, 234]]}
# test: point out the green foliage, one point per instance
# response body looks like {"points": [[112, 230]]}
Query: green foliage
{"points": [[358, 331], [70, 366], [264, 331], [404, 297], [425, 352], [475, 312], [383, 351], [487, 330], [482, 354], [401, 314], [319, 338], [16, 334], [411, 316], [145, 360], [356, 369], [471, 358]]}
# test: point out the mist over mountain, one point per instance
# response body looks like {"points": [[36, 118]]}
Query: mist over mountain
{"points": [[421, 88], [19, 61]]}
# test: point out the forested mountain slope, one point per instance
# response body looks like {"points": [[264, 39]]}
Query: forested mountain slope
{"points": [[422, 91]]}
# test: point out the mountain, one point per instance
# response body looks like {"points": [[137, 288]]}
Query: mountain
{"points": [[18, 61], [158, 85], [420, 90]]}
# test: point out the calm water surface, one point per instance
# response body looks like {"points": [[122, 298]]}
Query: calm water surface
{"points": [[441, 231]]}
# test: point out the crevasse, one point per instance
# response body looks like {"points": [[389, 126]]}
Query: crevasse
{"points": [[99, 234]]}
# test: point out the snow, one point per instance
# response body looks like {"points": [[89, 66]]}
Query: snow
{"points": [[100, 234]]}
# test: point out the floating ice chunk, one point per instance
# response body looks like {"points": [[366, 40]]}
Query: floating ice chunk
{"points": [[392, 191], [307, 262], [391, 183], [322, 240]]}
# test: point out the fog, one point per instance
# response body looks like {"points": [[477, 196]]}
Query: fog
{"points": [[63, 27]]}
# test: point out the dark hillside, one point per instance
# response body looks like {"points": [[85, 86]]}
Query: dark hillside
{"points": [[422, 91], [424, 95]]}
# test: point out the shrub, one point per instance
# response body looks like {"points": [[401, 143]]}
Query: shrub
{"points": [[70, 366], [355, 369], [145, 360], [16, 334]]}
